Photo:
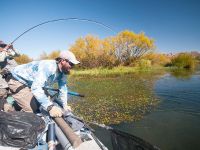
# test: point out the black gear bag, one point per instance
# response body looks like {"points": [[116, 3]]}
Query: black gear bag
{"points": [[20, 129]]}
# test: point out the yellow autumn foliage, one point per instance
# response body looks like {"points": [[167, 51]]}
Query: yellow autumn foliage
{"points": [[158, 59], [124, 49], [23, 59], [52, 55], [93, 52], [130, 46]]}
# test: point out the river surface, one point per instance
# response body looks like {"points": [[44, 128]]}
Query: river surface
{"points": [[174, 123]]}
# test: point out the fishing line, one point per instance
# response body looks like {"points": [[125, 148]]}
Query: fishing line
{"points": [[63, 19]]}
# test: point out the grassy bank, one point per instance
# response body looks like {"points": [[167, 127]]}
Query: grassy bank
{"points": [[121, 70]]}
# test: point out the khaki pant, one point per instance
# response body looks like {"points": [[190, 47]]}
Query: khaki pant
{"points": [[23, 97], [3, 93]]}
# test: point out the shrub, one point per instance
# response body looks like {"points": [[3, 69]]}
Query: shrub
{"points": [[183, 60], [157, 59], [144, 63], [23, 59]]}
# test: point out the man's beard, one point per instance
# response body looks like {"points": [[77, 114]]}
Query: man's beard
{"points": [[65, 71]]}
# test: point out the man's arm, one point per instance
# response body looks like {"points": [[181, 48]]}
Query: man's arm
{"points": [[3, 55], [12, 52], [39, 83], [8, 52], [63, 89]]}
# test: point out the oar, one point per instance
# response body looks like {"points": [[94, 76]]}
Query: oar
{"points": [[75, 94], [69, 92]]}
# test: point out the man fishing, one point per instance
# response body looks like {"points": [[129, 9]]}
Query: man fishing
{"points": [[28, 83], [7, 63]]}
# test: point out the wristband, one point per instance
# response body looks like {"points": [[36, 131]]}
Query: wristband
{"points": [[49, 107]]}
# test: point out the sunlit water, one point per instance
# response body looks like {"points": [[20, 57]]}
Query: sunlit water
{"points": [[174, 124]]}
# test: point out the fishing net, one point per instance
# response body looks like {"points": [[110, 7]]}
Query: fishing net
{"points": [[124, 141]]}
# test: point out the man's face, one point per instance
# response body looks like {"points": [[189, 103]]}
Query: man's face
{"points": [[66, 66]]}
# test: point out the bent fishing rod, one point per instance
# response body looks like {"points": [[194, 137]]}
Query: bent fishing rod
{"points": [[64, 19], [121, 133]]}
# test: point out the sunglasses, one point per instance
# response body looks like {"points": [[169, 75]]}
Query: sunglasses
{"points": [[70, 63]]}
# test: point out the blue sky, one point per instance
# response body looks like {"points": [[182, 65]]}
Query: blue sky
{"points": [[173, 24]]}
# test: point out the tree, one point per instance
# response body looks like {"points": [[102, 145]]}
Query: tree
{"points": [[23, 59], [157, 59], [43, 56], [94, 52], [108, 53], [52, 55], [130, 46], [124, 48], [88, 50]]}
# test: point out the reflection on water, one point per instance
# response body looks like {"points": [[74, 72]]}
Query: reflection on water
{"points": [[182, 73], [176, 122], [182, 95]]}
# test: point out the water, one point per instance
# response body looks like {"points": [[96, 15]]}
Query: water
{"points": [[174, 123], [115, 99]]}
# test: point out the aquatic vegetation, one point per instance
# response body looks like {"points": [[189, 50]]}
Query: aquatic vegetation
{"points": [[113, 100]]}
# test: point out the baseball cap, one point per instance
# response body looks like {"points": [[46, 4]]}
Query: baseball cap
{"points": [[69, 56]]}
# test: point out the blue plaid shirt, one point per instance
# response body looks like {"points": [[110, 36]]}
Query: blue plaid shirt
{"points": [[40, 74]]}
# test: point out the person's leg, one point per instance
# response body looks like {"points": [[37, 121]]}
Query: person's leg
{"points": [[3, 88], [8, 107], [23, 96], [3, 95]]}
